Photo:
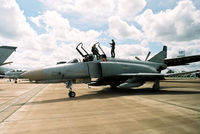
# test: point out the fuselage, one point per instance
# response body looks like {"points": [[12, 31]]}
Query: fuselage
{"points": [[91, 69]]}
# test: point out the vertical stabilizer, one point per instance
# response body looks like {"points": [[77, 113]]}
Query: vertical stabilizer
{"points": [[160, 57], [5, 52]]}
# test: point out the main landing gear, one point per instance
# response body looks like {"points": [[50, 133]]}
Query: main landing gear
{"points": [[71, 93], [156, 85]]}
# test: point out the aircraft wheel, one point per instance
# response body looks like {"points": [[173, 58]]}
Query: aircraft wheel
{"points": [[72, 94]]}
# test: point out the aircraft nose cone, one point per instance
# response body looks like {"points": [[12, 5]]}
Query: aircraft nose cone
{"points": [[33, 75]]}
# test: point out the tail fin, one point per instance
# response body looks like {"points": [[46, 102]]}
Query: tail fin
{"points": [[160, 57], [5, 52]]}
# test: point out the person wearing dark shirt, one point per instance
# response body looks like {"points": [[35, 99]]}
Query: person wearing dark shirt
{"points": [[95, 51], [112, 44]]}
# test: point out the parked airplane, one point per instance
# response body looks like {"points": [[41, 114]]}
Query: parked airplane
{"points": [[13, 74], [107, 71], [183, 73], [5, 52], [3, 70]]}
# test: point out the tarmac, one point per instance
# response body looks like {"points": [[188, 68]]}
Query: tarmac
{"points": [[29, 108]]}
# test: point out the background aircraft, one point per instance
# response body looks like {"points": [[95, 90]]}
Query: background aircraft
{"points": [[5, 52], [13, 74], [3, 70], [107, 71], [183, 73]]}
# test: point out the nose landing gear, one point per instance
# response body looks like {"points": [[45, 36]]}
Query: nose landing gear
{"points": [[71, 93]]}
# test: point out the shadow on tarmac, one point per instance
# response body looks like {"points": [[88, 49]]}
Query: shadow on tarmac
{"points": [[111, 93]]}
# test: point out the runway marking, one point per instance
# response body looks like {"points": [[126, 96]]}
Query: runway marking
{"points": [[10, 107]]}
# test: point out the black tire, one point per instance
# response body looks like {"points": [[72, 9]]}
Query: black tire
{"points": [[72, 94]]}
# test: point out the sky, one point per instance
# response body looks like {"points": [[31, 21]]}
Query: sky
{"points": [[48, 31]]}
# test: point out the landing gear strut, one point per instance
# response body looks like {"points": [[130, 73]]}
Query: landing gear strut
{"points": [[156, 85], [71, 93]]}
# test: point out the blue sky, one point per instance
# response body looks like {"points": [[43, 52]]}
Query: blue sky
{"points": [[31, 7], [43, 29]]}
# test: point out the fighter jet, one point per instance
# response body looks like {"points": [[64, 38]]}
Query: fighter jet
{"points": [[115, 72], [107, 71]]}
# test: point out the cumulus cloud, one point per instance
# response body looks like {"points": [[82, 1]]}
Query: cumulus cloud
{"points": [[131, 51], [129, 8], [56, 43], [179, 24], [122, 30], [59, 5], [101, 7], [12, 21], [87, 8], [59, 28], [54, 24], [97, 10]]}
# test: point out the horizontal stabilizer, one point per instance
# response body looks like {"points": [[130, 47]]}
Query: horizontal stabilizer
{"points": [[144, 76]]}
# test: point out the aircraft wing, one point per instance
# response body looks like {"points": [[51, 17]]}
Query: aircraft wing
{"points": [[182, 60], [5, 52], [143, 76], [129, 79], [153, 76], [138, 79]]}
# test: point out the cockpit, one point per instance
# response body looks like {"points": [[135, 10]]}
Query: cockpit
{"points": [[88, 56], [71, 61]]}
